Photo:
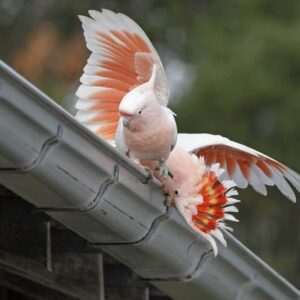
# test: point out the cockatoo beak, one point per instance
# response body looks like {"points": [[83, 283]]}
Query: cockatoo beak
{"points": [[126, 123], [126, 117]]}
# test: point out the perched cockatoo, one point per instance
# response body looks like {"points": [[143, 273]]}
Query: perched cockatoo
{"points": [[124, 90], [197, 191]]}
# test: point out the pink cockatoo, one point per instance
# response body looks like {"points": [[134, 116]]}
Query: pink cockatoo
{"points": [[124, 90], [197, 191]]}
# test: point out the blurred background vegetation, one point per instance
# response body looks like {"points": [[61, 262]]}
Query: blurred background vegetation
{"points": [[234, 70]]}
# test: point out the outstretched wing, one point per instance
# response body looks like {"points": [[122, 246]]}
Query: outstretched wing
{"points": [[122, 58], [244, 165]]}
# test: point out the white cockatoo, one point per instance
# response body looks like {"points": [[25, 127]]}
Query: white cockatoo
{"points": [[124, 89]]}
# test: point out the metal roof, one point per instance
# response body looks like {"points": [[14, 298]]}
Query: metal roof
{"points": [[56, 164]]}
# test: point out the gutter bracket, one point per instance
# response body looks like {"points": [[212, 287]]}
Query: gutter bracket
{"points": [[153, 227], [91, 205], [187, 277], [49, 143]]}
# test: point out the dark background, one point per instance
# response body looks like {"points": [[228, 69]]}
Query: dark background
{"points": [[234, 70]]}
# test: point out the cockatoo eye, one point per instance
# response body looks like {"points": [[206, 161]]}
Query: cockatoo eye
{"points": [[143, 108], [176, 192]]}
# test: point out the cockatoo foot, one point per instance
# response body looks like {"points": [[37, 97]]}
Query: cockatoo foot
{"points": [[164, 170], [149, 175]]}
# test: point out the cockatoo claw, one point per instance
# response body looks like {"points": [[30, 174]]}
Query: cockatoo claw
{"points": [[149, 176], [169, 201], [170, 174], [164, 170]]}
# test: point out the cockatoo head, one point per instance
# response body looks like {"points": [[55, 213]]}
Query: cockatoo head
{"points": [[139, 102], [135, 104]]}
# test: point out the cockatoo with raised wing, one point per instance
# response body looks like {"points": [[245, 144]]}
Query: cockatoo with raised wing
{"points": [[124, 90]]}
